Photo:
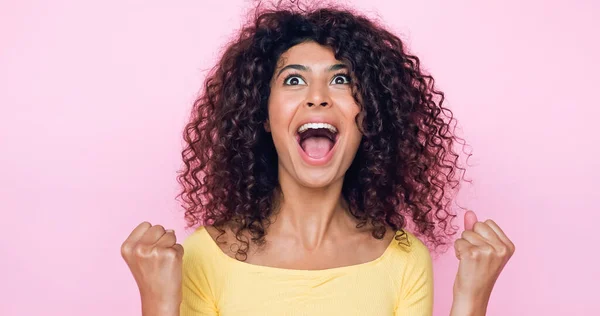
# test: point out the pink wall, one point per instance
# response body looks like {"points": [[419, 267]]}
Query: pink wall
{"points": [[93, 98]]}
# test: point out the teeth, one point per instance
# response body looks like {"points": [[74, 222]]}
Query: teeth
{"points": [[306, 126]]}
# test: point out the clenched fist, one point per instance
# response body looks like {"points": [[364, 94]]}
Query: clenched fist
{"points": [[483, 251], [155, 260]]}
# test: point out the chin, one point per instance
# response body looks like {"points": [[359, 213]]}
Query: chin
{"points": [[318, 177], [315, 180]]}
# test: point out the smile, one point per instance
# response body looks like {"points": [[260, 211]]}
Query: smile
{"points": [[317, 142]]}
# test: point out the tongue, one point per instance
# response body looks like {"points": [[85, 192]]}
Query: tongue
{"points": [[317, 147]]}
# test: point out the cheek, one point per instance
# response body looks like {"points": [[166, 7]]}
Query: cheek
{"points": [[281, 112], [354, 139], [353, 119], [351, 112], [283, 104]]}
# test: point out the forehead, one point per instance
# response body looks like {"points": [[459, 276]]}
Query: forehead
{"points": [[309, 54]]}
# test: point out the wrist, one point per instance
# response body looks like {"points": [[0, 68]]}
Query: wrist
{"points": [[463, 305], [160, 308]]}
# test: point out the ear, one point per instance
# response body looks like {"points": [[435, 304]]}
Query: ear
{"points": [[267, 126]]}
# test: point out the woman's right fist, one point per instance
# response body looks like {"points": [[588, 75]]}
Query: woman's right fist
{"points": [[155, 260]]}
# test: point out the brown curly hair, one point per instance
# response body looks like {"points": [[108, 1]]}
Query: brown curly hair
{"points": [[405, 166]]}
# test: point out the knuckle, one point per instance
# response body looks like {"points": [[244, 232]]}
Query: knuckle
{"points": [[170, 253], [487, 251], [156, 253], [474, 254], [140, 250], [503, 251], [125, 249]]}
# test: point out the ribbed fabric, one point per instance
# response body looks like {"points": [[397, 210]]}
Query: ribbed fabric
{"points": [[399, 282]]}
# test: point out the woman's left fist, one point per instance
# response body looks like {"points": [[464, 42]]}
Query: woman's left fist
{"points": [[483, 251]]}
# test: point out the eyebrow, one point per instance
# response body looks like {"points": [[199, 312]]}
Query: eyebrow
{"points": [[333, 67]]}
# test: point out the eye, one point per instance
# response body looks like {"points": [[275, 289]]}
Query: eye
{"points": [[341, 79], [293, 80]]}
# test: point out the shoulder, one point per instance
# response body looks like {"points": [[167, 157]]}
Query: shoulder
{"points": [[204, 264], [199, 249], [198, 238], [410, 251], [415, 275], [201, 274]]}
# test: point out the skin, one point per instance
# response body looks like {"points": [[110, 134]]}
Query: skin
{"points": [[483, 250], [155, 260], [312, 226], [313, 229]]}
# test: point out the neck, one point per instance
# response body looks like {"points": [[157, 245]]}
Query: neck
{"points": [[310, 215]]}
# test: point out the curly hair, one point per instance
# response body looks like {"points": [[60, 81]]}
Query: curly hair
{"points": [[405, 166]]}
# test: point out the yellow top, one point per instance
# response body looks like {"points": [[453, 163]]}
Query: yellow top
{"points": [[399, 282]]}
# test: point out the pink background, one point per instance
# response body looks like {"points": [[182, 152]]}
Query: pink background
{"points": [[94, 95]]}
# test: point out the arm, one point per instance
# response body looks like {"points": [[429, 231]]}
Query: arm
{"points": [[154, 259], [194, 297], [483, 251], [469, 306], [153, 309]]}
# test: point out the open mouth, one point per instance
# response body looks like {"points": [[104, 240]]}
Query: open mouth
{"points": [[317, 139]]}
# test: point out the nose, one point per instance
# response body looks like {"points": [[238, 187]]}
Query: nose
{"points": [[318, 96], [323, 104]]}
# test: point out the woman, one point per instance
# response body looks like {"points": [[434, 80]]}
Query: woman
{"points": [[317, 141]]}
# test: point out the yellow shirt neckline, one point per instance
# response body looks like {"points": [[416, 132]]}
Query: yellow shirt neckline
{"points": [[261, 268]]}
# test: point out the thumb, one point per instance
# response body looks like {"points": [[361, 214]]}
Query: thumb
{"points": [[470, 220]]}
